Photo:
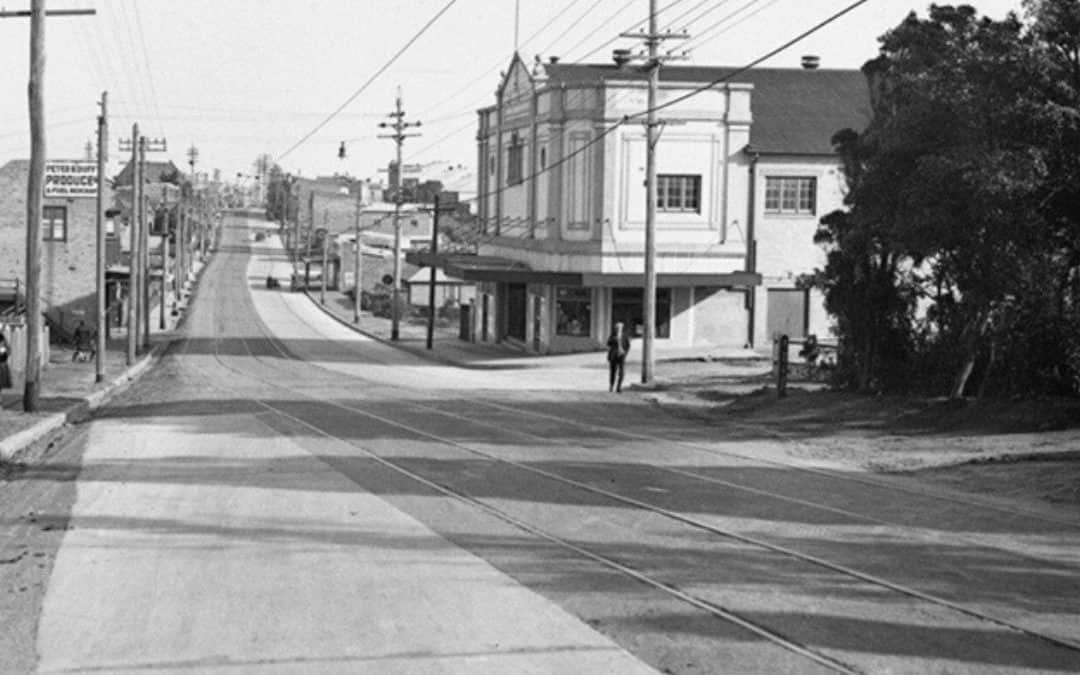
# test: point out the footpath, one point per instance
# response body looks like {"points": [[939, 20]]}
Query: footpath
{"points": [[68, 388], [672, 363]]}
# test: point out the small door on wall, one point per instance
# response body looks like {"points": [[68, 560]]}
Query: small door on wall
{"points": [[787, 312]]}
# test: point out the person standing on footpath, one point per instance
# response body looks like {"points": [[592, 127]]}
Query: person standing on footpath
{"points": [[5, 370], [618, 345]]}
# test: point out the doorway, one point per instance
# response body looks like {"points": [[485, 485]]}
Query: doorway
{"points": [[515, 311]]}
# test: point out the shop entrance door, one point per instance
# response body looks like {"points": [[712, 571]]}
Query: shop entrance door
{"points": [[515, 311]]}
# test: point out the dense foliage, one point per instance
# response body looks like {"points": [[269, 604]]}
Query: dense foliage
{"points": [[955, 265]]}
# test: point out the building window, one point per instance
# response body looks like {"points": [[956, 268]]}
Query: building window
{"points": [[491, 165], [627, 305], [678, 193], [791, 194], [515, 160], [573, 311], [543, 158], [54, 223]]}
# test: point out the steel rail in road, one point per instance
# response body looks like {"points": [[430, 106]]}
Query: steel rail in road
{"points": [[703, 604], [765, 430], [636, 503], [912, 531], [833, 475]]}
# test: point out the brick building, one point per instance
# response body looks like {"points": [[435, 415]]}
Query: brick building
{"points": [[68, 247]]}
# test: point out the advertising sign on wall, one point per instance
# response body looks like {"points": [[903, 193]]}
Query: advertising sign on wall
{"points": [[71, 178]]}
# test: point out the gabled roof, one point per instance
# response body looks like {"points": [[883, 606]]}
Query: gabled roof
{"points": [[153, 172], [796, 110]]}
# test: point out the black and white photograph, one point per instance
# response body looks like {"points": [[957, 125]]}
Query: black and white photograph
{"points": [[578, 337]]}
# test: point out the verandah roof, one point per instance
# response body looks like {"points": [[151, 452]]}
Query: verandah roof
{"points": [[507, 270]]}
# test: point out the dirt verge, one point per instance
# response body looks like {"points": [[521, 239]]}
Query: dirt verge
{"points": [[1019, 449]]}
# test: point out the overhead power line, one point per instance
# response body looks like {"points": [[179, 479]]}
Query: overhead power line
{"points": [[726, 78], [711, 31], [464, 88], [148, 67], [694, 92], [629, 29], [739, 71], [370, 80], [724, 19], [585, 38]]}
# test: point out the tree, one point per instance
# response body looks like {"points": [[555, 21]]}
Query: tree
{"points": [[950, 198]]}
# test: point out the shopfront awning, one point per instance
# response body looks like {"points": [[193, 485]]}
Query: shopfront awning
{"points": [[506, 270], [725, 279], [492, 268]]}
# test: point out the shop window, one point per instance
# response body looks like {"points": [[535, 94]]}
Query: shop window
{"points": [[54, 223], [573, 311], [628, 306]]}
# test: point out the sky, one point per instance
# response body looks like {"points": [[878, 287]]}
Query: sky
{"points": [[241, 78]]}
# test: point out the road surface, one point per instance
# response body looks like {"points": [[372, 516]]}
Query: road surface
{"points": [[282, 494]]}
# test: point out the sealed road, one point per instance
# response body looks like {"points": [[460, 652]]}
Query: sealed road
{"points": [[283, 493]]}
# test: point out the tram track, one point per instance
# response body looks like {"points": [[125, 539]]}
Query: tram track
{"points": [[693, 600], [701, 603], [914, 531]]}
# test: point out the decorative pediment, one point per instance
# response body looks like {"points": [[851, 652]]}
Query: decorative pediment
{"points": [[517, 81]]}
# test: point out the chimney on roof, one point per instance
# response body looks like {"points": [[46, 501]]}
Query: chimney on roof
{"points": [[811, 62], [621, 57], [553, 60]]}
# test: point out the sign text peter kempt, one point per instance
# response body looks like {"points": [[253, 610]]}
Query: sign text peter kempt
{"points": [[71, 178]]}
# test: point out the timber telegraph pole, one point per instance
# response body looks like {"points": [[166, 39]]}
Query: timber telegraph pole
{"points": [[139, 283], [193, 158], [35, 191], [358, 261], [133, 246], [652, 62], [399, 125], [102, 150], [34, 196], [143, 329]]}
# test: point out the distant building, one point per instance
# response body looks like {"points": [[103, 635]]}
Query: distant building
{"points": [[448, 290]]}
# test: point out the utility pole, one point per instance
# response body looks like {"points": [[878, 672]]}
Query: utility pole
{"points": [[164, 256], [133, 275], [180, 275], [138, 283], [325, 264], [34, 195], [434, 268], [193, 156], [357, 263], [310, 227], [398, 125], [102, 319], [144, 250], [35, 94], [296, 231], [653, 60]]}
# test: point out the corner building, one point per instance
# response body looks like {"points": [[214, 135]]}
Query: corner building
{"points": [[745, 170]]}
